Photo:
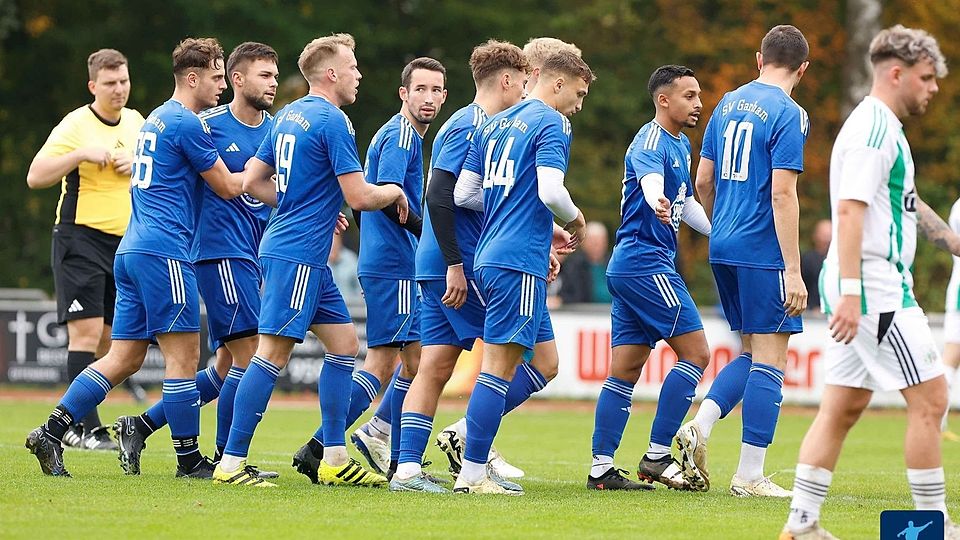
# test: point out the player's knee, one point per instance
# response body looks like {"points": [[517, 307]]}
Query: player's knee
{"points": [[627, 372], [548, 370]]}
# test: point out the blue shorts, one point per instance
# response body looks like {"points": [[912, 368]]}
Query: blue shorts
{"points": [[442, 325], [516, 307], [647, 309], [230, 289], [752, 300], [297, 296], [155, 295], [393, 311]]}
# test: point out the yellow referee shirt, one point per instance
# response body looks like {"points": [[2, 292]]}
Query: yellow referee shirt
{"points": [[89, 196]]}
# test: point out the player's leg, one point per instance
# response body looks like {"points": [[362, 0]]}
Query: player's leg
{"points": [[181, 401], [727, 388], [83, 347], [235, 355], [409, 365]]}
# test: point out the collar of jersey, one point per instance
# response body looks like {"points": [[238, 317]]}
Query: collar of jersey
{"points": [[883, 106], [677, 137]]}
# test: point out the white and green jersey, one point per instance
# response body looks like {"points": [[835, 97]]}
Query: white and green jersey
{"points": [[871, 162], [953, 288]]}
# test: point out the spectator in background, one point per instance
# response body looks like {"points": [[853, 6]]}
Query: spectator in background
{"points": [[583, 275], [343, 263], [812, 259]]}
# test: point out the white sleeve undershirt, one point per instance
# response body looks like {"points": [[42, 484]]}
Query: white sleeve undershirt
{"points": [[553, 194], [468, 193]]}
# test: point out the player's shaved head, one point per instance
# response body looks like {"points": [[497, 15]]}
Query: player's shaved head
{"points": [[320, 51], [666, 76], [491, 58], [908, 45], [196, 54], [784, 46], [537, 50], [566, 64], [104, 59], [248, 52]]}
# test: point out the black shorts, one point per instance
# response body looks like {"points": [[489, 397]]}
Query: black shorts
{"points": [[82, 261]]}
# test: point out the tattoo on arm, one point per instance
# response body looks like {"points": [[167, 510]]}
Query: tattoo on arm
{"points": [[934, 229]]}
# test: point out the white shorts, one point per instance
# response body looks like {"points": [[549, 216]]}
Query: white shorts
{"points": [[901, 355], [951, 327]]}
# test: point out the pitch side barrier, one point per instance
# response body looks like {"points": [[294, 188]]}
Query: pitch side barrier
{"points": [[33, 351]]}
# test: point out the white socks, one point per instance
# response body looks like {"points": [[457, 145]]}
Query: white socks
{"points": [[601, 464], [929, 489], [408, 470], [471, 472], [381, 429], [809, 491], [657, 451], [751, 462], [707, 416], [230, 463], [335, 455]]}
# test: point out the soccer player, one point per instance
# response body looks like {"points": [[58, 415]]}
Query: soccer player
{"points": [[224, 251], [312, 150], [951, 325], [514, 172], [386, 263], [156, 283], [534, 374], [89, 153], [747, 180], [453, 311], [881, 338], [650, 299]]}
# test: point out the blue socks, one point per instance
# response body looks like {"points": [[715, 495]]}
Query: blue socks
{"points": [[333, 385], [365, 389], [761, 404], [208, 384], [228, 394], [610, 419], [400, 388], [676, 396], [181, 407], [484, 411], [526, 381], [415, 429], [86, 391], [384, 410], [253, 393], [727, 389]]}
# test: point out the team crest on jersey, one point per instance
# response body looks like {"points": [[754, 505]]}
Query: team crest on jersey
{"points": [[252, 202], [676, 209]]}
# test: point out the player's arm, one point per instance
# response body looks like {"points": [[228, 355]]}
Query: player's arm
{"points": [[413, 223], [443, 219], [258, 181], [46, 170], [706, 188], [468, 192], [695, 216], [786, 220], [652, 186], [934, 229], [555, 196], [361, 195], [846, 316], [223, 182]]}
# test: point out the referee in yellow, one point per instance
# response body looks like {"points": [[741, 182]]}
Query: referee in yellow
{"points": [[89, 154]]}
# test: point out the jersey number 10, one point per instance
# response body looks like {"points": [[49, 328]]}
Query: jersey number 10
{"points": [[737, 139], [284, 157], [141, 172], [499, 172]]}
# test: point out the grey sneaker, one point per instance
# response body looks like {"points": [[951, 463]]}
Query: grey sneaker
{"points": [[420, 483]]}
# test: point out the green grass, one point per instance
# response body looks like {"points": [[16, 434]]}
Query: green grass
{"points": [[553, 447]]}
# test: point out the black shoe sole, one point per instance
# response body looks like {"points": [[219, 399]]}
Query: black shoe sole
{"points": [[305, 469]]}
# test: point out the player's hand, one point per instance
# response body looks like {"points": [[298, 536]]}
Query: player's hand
{"points": [[123, 163], [400, 200], [342, 224], [663, 210], [456, 293], [845, 319], [796, 300], [553, 270], [577, 229], [99, 156], [561, 241]]}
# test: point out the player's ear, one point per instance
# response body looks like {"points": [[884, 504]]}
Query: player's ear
{"points": [[558, 85], [759, 61], [802, 69], [443, 98], [237, 79], [403, 93], [90, 86]]}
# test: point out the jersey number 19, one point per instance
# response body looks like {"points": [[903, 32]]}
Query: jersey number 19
{"points": [[284, 157]]}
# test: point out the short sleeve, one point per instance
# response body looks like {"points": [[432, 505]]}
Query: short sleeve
{"points": [[394, 158], [553, 142], [649, 158], [708, 148], [265, 152], [863, 170], [341, 144], [454, 150], [472, 161], [197, 143], [64, 138], [954, 218], [788, 138]]}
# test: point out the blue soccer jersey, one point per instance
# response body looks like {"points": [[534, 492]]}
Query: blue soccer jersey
{"points": [[645, 245], [310, 144], [449, 152], [231, 228], [505, 152], [395, 156], [173, 148], [754, 129]]}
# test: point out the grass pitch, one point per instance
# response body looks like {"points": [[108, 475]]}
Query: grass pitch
{"points": [[551, 445]]}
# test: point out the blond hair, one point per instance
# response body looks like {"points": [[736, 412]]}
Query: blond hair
{"points": [[569, 64], [320, 50], [537, 50], [909, 45]]}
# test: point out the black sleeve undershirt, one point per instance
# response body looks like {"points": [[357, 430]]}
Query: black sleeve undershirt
{"points": [[443, 214], [414, 222]]}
